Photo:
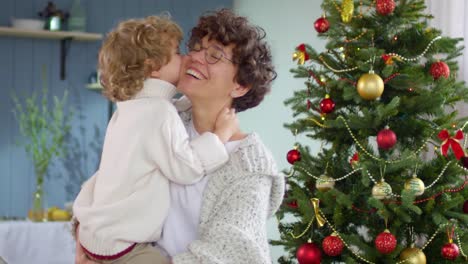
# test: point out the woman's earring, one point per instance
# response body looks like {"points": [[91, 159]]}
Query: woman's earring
{"points": [[233, 94]]}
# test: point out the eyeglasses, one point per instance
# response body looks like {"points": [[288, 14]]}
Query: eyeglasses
{"points": [[212, 53]]}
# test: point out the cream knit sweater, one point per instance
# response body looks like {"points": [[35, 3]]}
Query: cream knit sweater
{"points": [[237, 201]]}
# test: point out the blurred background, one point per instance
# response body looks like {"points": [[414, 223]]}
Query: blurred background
{"points": [[63, 61]]}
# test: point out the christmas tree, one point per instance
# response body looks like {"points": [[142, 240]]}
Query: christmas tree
{"points": [[388, 183]]}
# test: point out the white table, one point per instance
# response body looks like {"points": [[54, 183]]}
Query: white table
{"points": [[24, 242]]}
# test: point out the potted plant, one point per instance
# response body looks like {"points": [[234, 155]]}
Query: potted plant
{"points": [[44, 126]]}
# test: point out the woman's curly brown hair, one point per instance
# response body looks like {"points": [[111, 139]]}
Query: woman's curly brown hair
{"points": [[251, 53], [132, 50]]}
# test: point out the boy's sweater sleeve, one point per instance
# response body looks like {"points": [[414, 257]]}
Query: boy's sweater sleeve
{"points": [[236, 233], [183, 161]]}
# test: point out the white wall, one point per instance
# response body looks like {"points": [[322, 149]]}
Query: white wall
{"points": [[287, 24], [450, 17]]}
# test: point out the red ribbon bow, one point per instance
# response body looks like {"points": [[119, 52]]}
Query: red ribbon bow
{"points": [[354, 159], [453, 142], [301, 54]]}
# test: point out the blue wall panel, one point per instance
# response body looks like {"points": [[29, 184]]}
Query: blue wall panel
{"points": [[23, 60]]}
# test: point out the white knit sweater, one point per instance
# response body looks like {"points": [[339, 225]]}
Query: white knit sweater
{"points": [[237, 201], [145, 146]]}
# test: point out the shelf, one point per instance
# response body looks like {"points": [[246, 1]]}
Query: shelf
{"points": [[64, 36], [46, 34], [94, 86]]}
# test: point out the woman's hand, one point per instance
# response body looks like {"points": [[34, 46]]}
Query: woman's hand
{"points": [[80, 255]]}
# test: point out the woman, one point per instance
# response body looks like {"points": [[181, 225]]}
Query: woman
{"points": [[228, 64]]}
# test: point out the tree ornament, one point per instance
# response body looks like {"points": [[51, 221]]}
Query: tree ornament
{"points": [[324, 183], [386, 138], [370, 86], [381, 190], [293, 156], [388, 59], [354, 159], [327, 105], [415, 185], [385, 242], [385, 7], [450, 251], [464, 161], [292, 204], [413, 255], [332, 245], [309, 253], [300, 54], [465, 207], [451, 142], [439, 69], [347, 10], [321, 25]]}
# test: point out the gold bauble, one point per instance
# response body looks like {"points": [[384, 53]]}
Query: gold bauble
{"points": [[324, 183], [347, 10], [415, 185], [370, 86], [413, 255], [381, 190]]}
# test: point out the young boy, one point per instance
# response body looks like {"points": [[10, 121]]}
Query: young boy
{"points": [[145, 146]]}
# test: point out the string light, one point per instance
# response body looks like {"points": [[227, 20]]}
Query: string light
{"points": [[355, 208], [357, 37], [331, 179], [304, 232], [427, 187], [438, 177], [391, 77], [320, 81], [371, 155], [344, 242], [317, 122], [342, 70], [417, 57], [460, 246], [370, 262], [389, 54]]}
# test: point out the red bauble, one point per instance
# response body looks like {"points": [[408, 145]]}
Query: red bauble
{"points": [[309, 253], [385, 7], [464, 161], [439, 69], [292, 204], [327, 105], [385, 242], [321, 25], [450, 251], [332, 246], [293, 156], [386, 138], [465, 207]]}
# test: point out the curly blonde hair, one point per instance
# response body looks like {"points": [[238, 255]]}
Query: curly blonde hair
{"points": [[132, 50]]}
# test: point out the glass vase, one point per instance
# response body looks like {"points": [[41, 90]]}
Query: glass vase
{"points": [[38, 211]]}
